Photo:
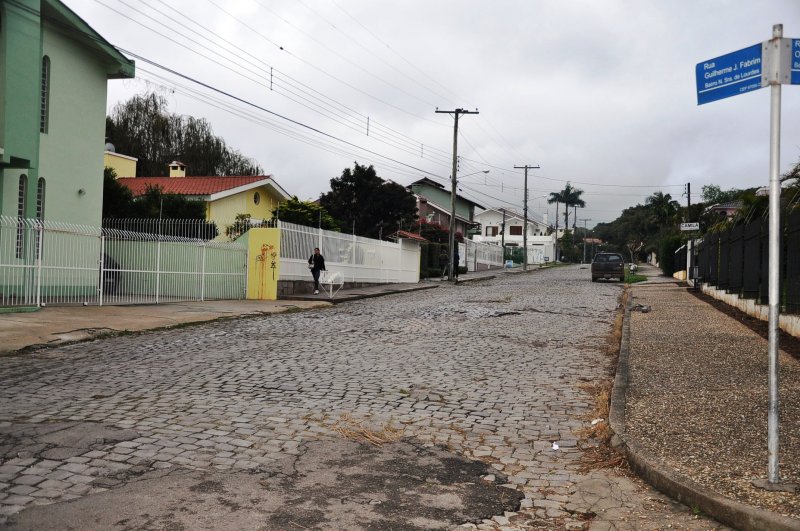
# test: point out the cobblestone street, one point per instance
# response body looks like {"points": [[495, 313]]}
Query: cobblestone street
{"points": [[494, 371]]}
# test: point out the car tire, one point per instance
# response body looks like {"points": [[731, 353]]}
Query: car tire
{"points": [[594, 279], [622, 278]]}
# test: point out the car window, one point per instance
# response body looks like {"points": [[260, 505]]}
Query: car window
{"points": [[614, 258], [601, 258]]}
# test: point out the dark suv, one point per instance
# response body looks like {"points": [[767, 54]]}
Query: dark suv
{"points": [[608, 265]]}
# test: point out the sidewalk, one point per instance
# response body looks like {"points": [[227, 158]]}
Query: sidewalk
{"points": [[690, 403]]}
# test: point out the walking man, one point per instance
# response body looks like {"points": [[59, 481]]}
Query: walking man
{"points": [[316, 263]]}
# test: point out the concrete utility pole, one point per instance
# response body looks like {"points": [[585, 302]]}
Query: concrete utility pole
{"points": [[452, 239], [503, 234], [525, 215], [584, 237]]}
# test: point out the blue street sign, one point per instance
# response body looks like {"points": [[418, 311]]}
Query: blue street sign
{"points": [[795, 61], [728, 75]]}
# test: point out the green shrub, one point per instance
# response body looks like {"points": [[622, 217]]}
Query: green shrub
{"points": [[666, 253]]}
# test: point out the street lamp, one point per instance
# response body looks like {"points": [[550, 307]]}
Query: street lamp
{"points": [[452, 238]]}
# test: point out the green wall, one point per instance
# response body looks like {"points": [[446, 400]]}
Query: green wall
{"points": [[442, 198], [71, 153], [20, 65]]}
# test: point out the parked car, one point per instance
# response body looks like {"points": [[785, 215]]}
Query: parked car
{"points": [[608, 265]]}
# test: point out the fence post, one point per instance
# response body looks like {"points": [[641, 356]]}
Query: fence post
{"points": [[39, 237], [102, 280], [203, 272], [158, 268], [353, 262]]}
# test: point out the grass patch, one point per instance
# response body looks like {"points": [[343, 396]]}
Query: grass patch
{"points": [[596, 438], [349, 428], [632, 278]]}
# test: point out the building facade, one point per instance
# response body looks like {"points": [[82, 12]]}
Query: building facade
{"points": [[506, 226], [434, 204], [54, 70]]}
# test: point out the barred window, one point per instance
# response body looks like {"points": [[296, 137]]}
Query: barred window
{"points": [[40, 192], [23, 188], [44, 107]]}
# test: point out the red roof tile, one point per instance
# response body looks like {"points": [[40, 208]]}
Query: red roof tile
{"points": [[410, 236], [189, 185]]}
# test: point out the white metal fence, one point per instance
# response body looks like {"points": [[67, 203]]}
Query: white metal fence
{"points": [[45, 262], [480, 256], [358, 259]]}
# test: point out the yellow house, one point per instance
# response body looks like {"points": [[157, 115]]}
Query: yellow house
{"points": [[224, 196], [124, 165]]}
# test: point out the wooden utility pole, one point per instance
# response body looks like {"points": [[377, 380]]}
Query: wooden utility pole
{"points": [[525, 216], [452, 239]]}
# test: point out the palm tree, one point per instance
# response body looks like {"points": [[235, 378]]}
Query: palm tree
{"points": [[663, 207], [571, 197]]}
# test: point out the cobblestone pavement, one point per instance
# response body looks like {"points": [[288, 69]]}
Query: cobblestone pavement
{"points": [[491, 370]]}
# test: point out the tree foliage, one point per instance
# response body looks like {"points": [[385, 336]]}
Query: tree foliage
{"points": [[569, 197], [361, 201], [433, 232], [306, 213], [118, 202], [143, 128]]}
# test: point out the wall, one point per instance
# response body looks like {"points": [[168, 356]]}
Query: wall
{"points": [[442, 199], [20, 66], [789, 323], [358, 259], [226, 208], [124, 166], [71, 153], [263, 263]]}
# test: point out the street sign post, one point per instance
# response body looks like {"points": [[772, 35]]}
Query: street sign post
{"points": [[771, 63], [690, 226], [729, 75]]}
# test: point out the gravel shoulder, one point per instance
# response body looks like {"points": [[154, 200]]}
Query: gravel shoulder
{"points": [[698, 397]]}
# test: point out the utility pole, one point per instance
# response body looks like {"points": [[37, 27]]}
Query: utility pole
{"points": [[452, 239], [503, 234], [525, 217], [584, 238], [555, 259]]}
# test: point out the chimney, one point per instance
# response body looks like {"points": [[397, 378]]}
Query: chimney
{"points": [[177, 169]]}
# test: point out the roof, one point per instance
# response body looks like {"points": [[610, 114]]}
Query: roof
{"points": [[433, 184], [213, 187], [409, 235], [63, 18]]}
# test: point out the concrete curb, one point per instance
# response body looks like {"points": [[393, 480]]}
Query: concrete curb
{"points": [[649, 468]]}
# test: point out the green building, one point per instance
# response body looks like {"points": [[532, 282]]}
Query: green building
{"points": [[54, 70]]}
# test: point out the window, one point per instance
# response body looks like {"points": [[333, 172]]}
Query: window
{"points": [[40, 187], [491, 231], [515, 230], [23, 185], [44, 104], [256, 198]]}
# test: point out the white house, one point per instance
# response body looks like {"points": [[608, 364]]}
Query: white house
{"points": [[503, 225]]}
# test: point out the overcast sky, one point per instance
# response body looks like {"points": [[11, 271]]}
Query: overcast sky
{"points": [[600, 93]]}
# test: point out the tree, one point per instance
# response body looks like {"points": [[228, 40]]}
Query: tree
{"points": [[306, 213], [714, 195], [361, 201], [569, 197], [433, 232], [663, 208], [143, 128], [117, 199]]}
